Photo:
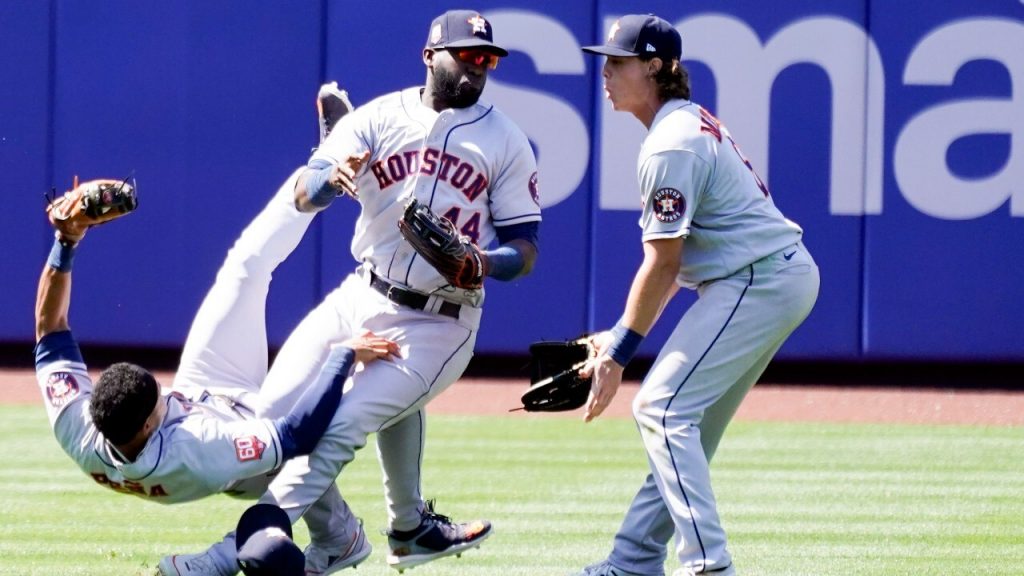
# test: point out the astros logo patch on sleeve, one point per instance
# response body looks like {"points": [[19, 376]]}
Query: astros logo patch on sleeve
{"points": [[61, 388], [669, 205], [249, 448], [534, 189]]}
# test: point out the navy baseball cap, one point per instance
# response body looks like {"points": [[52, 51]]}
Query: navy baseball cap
{"points": [[265, 545], [463, 29], [640, 35]]}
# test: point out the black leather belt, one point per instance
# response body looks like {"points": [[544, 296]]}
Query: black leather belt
{"points": [[409, 298]]}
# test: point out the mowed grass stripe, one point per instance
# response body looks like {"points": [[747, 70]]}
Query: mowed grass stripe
{"points": [[797, 499]]}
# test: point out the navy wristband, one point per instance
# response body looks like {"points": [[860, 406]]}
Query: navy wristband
{"points": [[625, 343], [505, 262], [61, 256], [318, 188]]}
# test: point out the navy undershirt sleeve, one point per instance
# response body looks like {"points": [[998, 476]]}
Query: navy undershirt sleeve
{"points": [[300, 430], [57, 346], [525, 231], [507, 262]]}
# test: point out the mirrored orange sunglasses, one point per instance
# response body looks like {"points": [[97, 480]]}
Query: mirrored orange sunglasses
{"points": [[476, 57]]}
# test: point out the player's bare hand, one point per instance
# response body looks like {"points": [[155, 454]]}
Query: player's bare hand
{"points": [[343, 177], [607, 378], [597, 344], [369, 347]]}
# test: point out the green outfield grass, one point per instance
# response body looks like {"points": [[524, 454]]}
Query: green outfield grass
{"points": [[797, 499]]}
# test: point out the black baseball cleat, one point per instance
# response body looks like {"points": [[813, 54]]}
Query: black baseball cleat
{"points": [[436, 537], [331, 104]]}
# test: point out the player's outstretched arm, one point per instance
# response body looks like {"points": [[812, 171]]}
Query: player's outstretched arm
{"points": [[71, 215], [652, 286], [53, 296], [322, 182], [302, 428]]}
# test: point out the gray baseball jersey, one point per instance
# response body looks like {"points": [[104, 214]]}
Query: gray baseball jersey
{"points": [[217, 361], [201, 448], [208, 442], [697, 184], [472, 165], [756, 283]]}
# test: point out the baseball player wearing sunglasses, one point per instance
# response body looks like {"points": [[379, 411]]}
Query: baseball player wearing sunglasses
{"points": [[455, 153]]}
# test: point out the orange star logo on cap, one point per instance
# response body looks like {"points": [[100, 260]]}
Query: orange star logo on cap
{"points": [[479, 24], [613, 31]]}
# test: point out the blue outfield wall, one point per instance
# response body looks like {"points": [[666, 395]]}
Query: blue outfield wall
{"points": [[890, 130]]}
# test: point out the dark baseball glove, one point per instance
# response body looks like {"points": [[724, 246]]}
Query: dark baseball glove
{"points": [[90, 204], [437, 240], [554, 375]]}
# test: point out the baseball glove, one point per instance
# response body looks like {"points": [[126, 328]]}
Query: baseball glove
{"points": [[436, 239], [90, 204], [554, 375]]}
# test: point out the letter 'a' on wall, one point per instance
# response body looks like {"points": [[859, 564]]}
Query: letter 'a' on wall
{"points": [[922, 172]]}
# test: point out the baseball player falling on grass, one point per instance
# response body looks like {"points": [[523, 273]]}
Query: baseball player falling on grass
{"points": [[709, 224], [464, 159], [204, 437]]}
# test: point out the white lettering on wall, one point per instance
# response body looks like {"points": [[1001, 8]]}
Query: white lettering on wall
{"points": [[556, 129], [744, 74], [919, 159]]}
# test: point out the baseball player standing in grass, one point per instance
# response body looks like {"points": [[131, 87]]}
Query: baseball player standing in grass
{"points": [[204, 437], [467, 161], [708, 224]]}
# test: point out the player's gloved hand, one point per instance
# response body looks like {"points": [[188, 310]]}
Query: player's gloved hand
{"points": [[556, 385], [436, 239], [90, 204]]}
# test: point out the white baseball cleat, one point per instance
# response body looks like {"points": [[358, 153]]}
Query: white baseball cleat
{"points": [[202, 564], [320, 562]]}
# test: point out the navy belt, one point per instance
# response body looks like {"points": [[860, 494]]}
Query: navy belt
{"points": [[410, 298]]}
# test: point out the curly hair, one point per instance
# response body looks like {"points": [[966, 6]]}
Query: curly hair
{"points": [[122, 400], [673, 79]]}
